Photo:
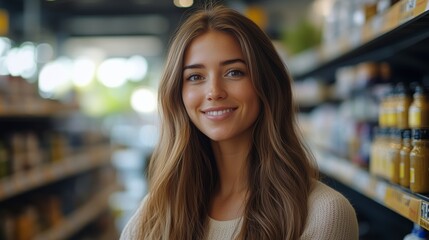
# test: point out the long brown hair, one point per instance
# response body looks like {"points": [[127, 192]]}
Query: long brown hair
{"points": [[182, 173]]}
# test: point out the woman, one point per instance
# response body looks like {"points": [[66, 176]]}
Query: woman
{"points": [[230, 163]]}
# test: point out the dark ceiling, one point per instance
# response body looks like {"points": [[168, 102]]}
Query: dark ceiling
{"points": [[57, 21], [117, 17]]}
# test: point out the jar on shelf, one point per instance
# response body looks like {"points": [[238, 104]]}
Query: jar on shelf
{"points": [[404, 99], [393, 155], [388, 110], [404, 158], [419, 161], [418, 112]]}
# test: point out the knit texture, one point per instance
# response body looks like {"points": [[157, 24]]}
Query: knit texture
{"points": [[220, 230], [330, 217]]}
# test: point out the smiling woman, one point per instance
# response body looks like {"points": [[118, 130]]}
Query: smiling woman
{"points": [[230, 163], [218, 93]]}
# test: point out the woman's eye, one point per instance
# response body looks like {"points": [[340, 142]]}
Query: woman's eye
{"points": [[235, 73], [194, 77]]}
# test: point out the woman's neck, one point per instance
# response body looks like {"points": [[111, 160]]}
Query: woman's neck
{"points": [[229, 198], [231, 160]]}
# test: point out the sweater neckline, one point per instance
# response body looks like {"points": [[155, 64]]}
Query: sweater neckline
{"points": [[224, 222]]}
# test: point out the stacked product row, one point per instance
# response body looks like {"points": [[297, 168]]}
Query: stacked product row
{"points": [[37, 212], [21, 151], [340, 24], [18, 95], [400, 150], [343, 124]]}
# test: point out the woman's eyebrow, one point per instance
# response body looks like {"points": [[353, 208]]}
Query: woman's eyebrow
{"points": [[227, 62], [193, 66], [223, 63]]}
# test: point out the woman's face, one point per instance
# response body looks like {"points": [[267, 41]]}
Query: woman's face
{"points": [[217, 90]]}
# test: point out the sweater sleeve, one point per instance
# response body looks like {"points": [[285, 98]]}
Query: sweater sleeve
{"points": [[330, 217]]}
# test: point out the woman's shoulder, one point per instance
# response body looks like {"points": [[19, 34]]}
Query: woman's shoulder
{"points": [[323, 194], [330, 215]]}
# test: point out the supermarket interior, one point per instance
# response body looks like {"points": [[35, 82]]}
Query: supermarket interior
{"points": [[79, 119]]}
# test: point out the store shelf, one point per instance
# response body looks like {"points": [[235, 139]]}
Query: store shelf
{"points": [[37, 111], [20, 182], [81, 217], [414, 207], [392, 36]]}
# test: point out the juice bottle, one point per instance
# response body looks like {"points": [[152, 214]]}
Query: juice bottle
{"points": [[403, 102], [418, 112], [404, 158], [393, 155], [419, 161]]}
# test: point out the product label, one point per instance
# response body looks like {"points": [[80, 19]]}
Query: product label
{"points": [[412, 175], [415, 119]]}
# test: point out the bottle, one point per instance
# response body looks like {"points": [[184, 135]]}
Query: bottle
{"points": [[418, 112], [403, 102], [404, 158], [393, 155], [391, 109], [375, 150], [382, 115], [419, 161]]}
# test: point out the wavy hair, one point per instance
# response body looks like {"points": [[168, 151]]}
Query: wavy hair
{"points": [[182, 173]]}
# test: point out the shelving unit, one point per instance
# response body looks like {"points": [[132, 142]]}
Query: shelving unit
{"points": [[399, 37], [88, 159], [48, 109], [80, 217], [394, 36], [399, 199], [56, 172]]}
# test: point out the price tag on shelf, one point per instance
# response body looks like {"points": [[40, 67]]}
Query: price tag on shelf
{"points": [[407, 12], [424, 215], [406, 205], [409, 5]]}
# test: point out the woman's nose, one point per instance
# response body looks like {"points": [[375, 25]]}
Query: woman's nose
{"points": [[216, 91]]}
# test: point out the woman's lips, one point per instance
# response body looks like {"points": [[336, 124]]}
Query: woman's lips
{"points": [[218, 112]]}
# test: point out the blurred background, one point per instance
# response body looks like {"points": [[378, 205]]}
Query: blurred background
{"points": [[79, 121]]}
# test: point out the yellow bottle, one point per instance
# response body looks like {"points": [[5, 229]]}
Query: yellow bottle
{"points": [[382, 155], [419, 161], [393, 156], [391, 109], [404, 158], [418, 112], [382, 115], [403, 102]]}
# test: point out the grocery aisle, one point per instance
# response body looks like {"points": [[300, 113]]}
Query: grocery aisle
{"points": [[78, 118], [368, 117]]}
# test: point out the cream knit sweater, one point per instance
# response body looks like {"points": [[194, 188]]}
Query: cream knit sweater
{"points": [[330, 217]]}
